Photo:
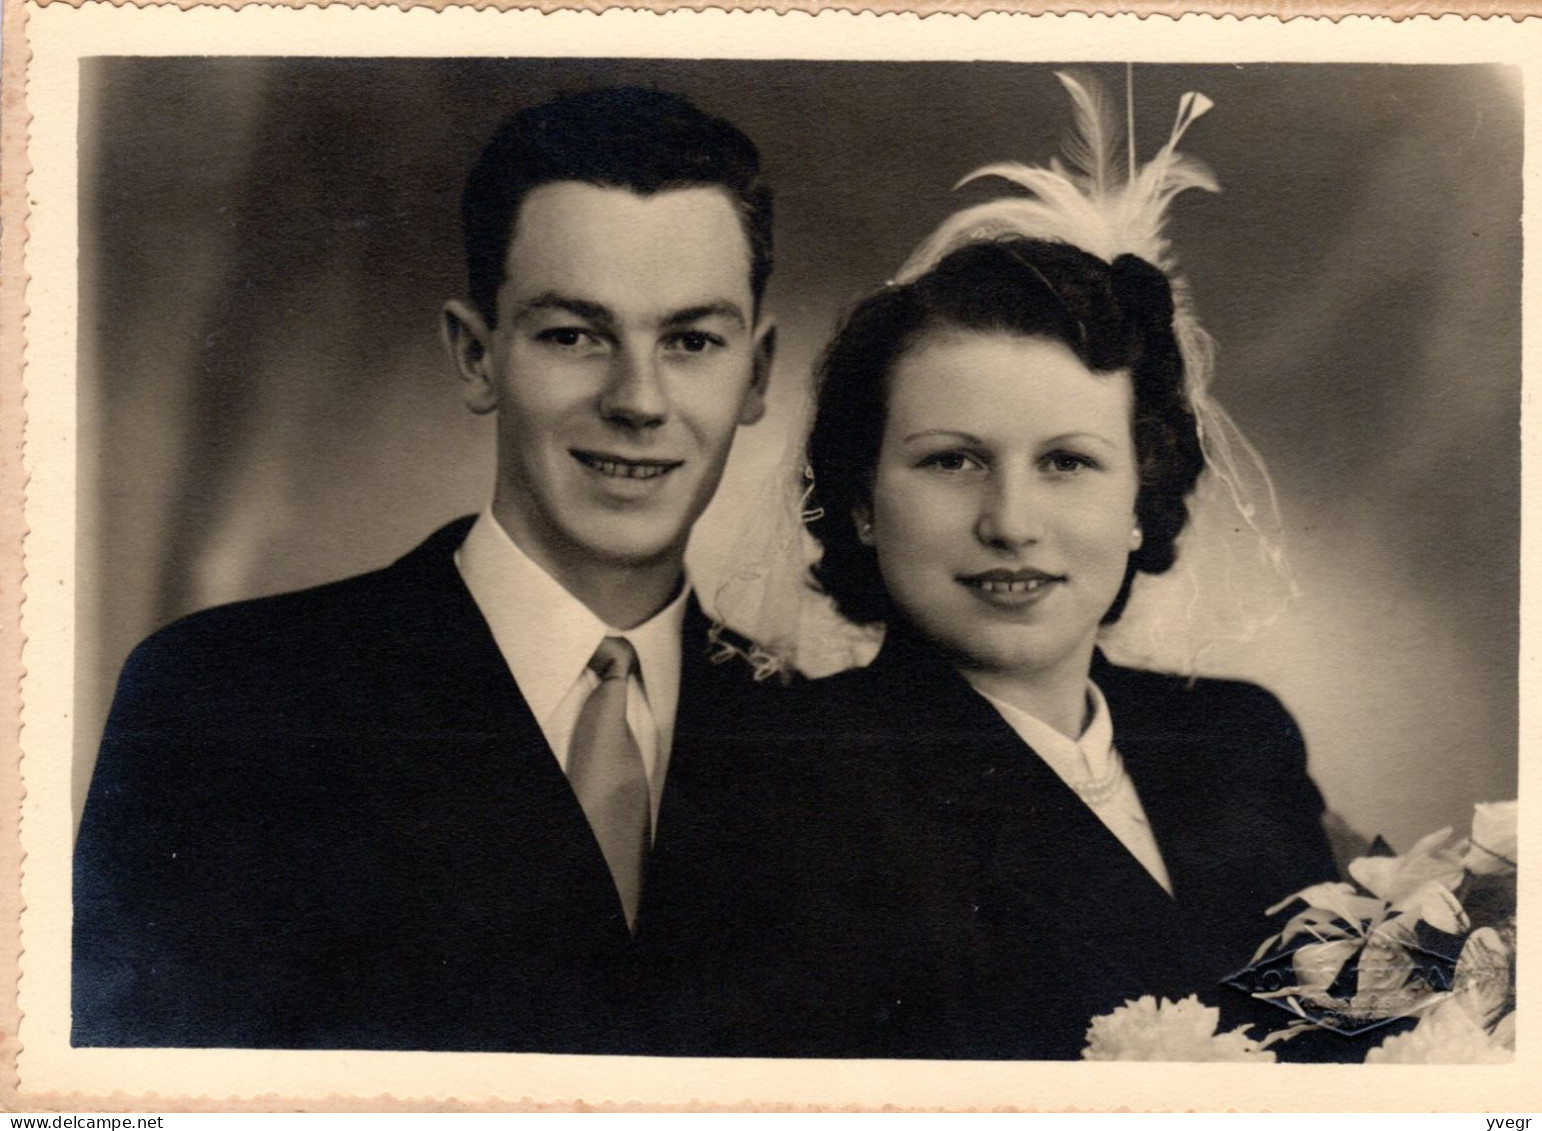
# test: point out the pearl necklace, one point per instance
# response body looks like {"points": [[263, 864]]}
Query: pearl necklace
{"points": [[1099, 790]]}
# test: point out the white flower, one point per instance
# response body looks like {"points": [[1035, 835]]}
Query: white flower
{"points": [[1447, 1034], [1468, 1025], [1381, 938], [1434, 903], [1484, 978], [1337, 898], [1376, 927], [1395, 878], [1149, 1029], [1491, 852]]}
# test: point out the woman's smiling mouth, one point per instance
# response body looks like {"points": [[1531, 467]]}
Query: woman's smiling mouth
{"points": [[1010, 588]]}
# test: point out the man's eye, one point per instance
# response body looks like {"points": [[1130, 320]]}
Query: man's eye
{"points": [[694, 341], [564, 336]]}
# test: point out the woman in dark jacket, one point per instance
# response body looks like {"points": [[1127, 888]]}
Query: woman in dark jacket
{"points": [[1001, 447], [992, 834]]}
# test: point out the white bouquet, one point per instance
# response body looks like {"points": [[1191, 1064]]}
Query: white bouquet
{"points": [[1428, 935]]}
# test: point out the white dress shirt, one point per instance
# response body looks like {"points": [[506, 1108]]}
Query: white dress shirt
{"points": [[547, 637], [1092, 758]]}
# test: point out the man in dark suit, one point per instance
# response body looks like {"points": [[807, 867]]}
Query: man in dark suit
{"points": [[426, 807]]}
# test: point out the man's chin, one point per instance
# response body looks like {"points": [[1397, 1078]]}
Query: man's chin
{"points": [[612, 545], [601, 538]]}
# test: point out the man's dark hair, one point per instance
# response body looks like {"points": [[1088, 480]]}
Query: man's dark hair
{"points": [[1113, 317], [648, 141]]}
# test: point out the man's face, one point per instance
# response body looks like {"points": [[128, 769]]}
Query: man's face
{"points": [[624, 358]]}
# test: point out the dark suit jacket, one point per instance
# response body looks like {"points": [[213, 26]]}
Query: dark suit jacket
{"points": [[328, 820], [927, 887]]}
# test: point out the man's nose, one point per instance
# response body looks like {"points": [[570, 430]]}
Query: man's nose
{"points": [[634, 392], [1011, 511]]}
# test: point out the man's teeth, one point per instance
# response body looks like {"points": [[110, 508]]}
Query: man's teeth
{"points": [[627, 470], [1013, 586]]}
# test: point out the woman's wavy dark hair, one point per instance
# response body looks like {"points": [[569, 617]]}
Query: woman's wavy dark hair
{"points": [[1113, 317]]}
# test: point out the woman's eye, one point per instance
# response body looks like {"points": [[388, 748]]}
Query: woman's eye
{"points": [[950, 461], [1069, 462]]}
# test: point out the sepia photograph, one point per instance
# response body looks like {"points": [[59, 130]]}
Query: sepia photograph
{"points": [[842, 559]]}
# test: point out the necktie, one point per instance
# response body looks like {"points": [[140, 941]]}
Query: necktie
{"points": [[606, 770]]}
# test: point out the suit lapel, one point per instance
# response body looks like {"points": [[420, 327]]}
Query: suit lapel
{"points": [[1180, 777], [1161, 772], [1040, 827], [526, 833], [1175, 774], [699, 788], [1057, 866], [509, 774], [1047, 876]]}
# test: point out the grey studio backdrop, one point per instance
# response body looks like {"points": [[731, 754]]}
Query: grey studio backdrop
{"points": [[264, 404]]}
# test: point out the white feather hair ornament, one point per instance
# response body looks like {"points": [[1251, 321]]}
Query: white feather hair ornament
{"points": [[1089, 204]]}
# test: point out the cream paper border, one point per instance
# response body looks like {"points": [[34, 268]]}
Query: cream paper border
{"points": [[54, 1075]]}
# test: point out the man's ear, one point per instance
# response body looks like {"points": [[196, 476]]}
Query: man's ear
{"points": [[760, 374], [469, 343], [862, 518]]}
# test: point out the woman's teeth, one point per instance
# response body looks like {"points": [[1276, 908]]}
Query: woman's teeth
{"points": [[1013, 586]]}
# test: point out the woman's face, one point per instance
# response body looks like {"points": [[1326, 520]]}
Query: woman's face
{"points": [[1003, 511]]}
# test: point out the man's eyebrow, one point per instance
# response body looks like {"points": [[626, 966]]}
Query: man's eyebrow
{"points": [[551, 300], [723, 309]]}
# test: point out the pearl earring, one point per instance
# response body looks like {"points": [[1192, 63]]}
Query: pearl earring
{"points": [[1137, 538]]}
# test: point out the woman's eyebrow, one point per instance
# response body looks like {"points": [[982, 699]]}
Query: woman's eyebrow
{"points": [[1095, 437], [966, 437]]}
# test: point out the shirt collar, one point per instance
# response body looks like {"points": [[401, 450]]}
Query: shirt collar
{"points": [[547, 635], [1098, 739], [1065, 754], [658, 644]]}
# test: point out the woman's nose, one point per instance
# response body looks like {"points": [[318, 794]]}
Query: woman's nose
{"points": [[634, 391], [1011, 512]]}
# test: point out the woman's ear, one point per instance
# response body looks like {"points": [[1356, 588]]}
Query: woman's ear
{"points": [[862, 516], [469, 344]]}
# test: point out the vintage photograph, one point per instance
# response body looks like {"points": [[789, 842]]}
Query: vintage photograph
{"points": [[900, 560]]}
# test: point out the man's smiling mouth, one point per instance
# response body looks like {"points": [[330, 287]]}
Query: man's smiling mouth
{"points": [[619, 468]]}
